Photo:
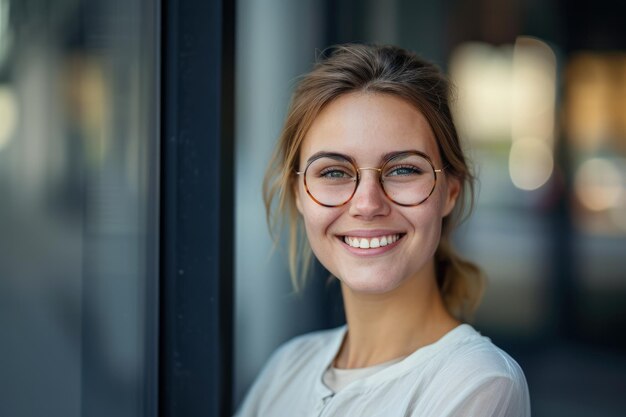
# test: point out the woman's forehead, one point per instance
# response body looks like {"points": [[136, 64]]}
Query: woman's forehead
{"points": [[369, 125]]}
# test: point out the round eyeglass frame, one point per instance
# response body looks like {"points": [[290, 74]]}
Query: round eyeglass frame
{"points": [[380, 177]]}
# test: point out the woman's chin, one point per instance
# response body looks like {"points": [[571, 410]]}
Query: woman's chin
{"points": [[369, 285]]}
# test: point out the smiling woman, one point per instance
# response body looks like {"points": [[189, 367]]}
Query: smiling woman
{"points": [[369, 165]]}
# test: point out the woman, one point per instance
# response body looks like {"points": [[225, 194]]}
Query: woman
{"points": [[369, 163]]}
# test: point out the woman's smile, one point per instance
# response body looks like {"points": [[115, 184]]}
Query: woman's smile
{"points": [[371, 243]]}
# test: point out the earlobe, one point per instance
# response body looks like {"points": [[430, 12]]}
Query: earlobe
{"points": [[296, 195], [454, 189]]}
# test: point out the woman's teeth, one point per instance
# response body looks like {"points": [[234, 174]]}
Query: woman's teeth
{"points": [[375, 242]]}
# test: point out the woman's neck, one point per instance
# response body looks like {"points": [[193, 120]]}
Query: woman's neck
{"points": [[383, 327]]}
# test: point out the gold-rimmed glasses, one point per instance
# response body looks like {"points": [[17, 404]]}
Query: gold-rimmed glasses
{"points": [[407, 178]]}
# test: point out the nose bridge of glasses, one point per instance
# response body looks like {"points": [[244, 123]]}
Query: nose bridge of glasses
{"points": [[378, 170], [369, 169], [375, 177]]}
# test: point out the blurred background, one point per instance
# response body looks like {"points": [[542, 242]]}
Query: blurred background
{"points": [[78, 225], [541, 106]]}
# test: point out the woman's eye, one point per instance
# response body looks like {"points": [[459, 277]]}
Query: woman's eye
{"points": [[334, 174], [403, 171]]}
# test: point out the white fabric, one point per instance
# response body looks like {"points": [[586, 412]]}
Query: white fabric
{"points": [[462, 374], [337, 378]]}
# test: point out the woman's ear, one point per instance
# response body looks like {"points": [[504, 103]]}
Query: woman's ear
{"points": [[296, 193], [453, 190]]}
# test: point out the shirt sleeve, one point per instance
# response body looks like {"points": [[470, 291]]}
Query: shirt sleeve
{"points": [[253, 400], [484, 382], [495, 397]]}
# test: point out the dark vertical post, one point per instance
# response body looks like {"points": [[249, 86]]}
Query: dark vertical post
{"points": [[196, 208]]}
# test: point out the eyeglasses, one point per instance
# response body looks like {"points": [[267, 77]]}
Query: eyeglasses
{"points": [[407, 178]]}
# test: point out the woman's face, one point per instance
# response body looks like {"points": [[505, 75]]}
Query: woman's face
{"points": [[366, 127]]}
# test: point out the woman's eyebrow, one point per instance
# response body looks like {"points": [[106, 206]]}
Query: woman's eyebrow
{"points": [[385, 157], [393, 154], [334, 155]]}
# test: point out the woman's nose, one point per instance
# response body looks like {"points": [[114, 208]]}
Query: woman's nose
{"points": [[369, 199]]}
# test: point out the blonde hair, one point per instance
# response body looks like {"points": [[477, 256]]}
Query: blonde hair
{"points": [[389, 70]]}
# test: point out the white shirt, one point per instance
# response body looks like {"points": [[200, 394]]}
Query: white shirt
{"points": [[462, 374], [336, 378]]}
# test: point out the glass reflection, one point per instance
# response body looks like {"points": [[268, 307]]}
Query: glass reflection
{"points": [[77, 189]]}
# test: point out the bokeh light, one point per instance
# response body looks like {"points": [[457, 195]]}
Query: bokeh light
{"points": [[599, 184], [530, 163], [507, 95], [8, 115]]}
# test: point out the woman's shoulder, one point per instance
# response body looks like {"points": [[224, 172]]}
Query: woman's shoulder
{"points": [[470, 356], [476, 377], [314, 340], [290, 375], [308, 348]]}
